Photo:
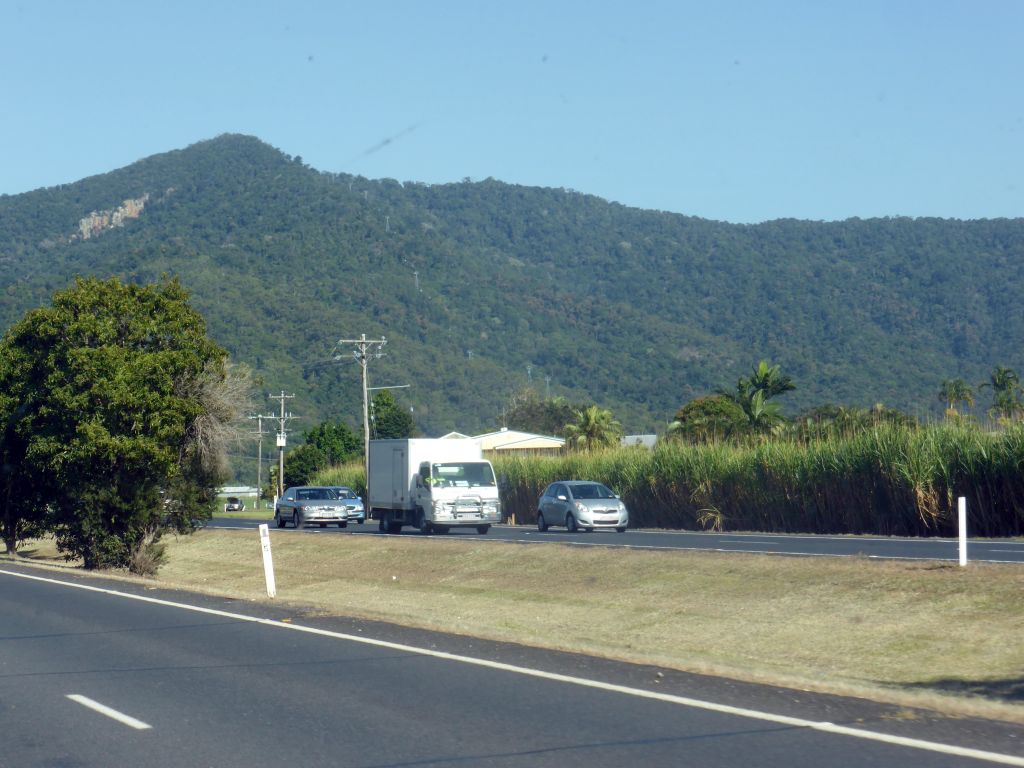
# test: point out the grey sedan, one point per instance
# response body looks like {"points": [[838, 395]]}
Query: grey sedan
{"points": [[353, 504], [582, 504], [302, 504]]}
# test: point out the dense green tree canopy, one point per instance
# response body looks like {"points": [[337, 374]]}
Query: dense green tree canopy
{"points": [[111, 404], [302, 463], [388, 419], [336, 440], [708, 419], [526, 410]]}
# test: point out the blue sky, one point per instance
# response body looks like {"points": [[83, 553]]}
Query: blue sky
{"points": [[735, 111]]}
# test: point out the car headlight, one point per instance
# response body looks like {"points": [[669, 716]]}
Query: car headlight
{"points": [[580, 507]]}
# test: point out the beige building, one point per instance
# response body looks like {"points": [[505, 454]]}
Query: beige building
{"points": [[511, 440]]}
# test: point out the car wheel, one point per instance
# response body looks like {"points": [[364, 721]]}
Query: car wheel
{"points": [[296, 520], [342, 525], [570, 523], [483, 529], [278, 520], [359, 521], [381, 525], [621, 529], [542, 524]]}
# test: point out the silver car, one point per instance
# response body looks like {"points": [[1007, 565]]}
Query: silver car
{"points": [[303, 504], [582, 504], [353, 504]]}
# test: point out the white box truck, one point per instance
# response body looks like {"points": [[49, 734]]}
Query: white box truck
{"points": [[431, 484]]}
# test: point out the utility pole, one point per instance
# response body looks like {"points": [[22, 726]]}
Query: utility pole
{"points": [[282, 440], [364, 347], [259, 417]]}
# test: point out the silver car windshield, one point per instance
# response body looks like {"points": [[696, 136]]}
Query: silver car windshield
{"points": [[592, 491], [315, 493]]}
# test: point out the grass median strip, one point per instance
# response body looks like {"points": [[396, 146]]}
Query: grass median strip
{"points": [[922, 633]]}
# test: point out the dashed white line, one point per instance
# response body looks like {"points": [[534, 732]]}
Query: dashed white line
{"points": [[795, 722], [113, 714]]}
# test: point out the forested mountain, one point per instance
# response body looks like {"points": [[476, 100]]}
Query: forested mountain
{"points": [[482, 286]]}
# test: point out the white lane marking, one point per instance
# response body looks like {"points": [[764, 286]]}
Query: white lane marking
{"points": [[103, 709], [793, 722]]}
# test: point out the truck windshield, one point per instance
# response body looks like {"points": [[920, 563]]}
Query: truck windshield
{"points": [[463, 474]]}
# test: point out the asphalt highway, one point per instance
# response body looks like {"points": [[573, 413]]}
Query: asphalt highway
{"points": [[97, 672], [880, 547]]}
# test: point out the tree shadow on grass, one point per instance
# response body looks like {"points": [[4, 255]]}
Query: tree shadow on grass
{"points": [[1009, 690]]}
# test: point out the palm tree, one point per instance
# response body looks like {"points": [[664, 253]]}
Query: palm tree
{"points": [[767, 378], [594, 428], [752, 395], [955, 391], [1006, 393]]}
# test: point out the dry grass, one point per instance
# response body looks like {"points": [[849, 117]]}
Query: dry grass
{"points": [[925, 634], [916, 633]]}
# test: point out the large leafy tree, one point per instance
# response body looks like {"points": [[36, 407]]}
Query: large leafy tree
{"points": [[528, 411], [708, 419], [302, 463], [593, 428], [120, 403], [337, 441], [21, 510], [388, 419]]}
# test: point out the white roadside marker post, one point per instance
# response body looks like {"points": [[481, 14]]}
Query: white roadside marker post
{"points": [[268, 562], [962, 523]]}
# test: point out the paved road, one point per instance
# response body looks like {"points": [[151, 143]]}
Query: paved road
{"points": [[101, 673], [990, 550]]}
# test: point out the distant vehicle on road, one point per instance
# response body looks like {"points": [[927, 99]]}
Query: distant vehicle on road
{"points": [[354, 508], [432, 484], [303, 504], [234, 504], [578, 504]]}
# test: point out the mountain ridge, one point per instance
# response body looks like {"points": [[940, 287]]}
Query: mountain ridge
{"points": [[484, 287]]}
